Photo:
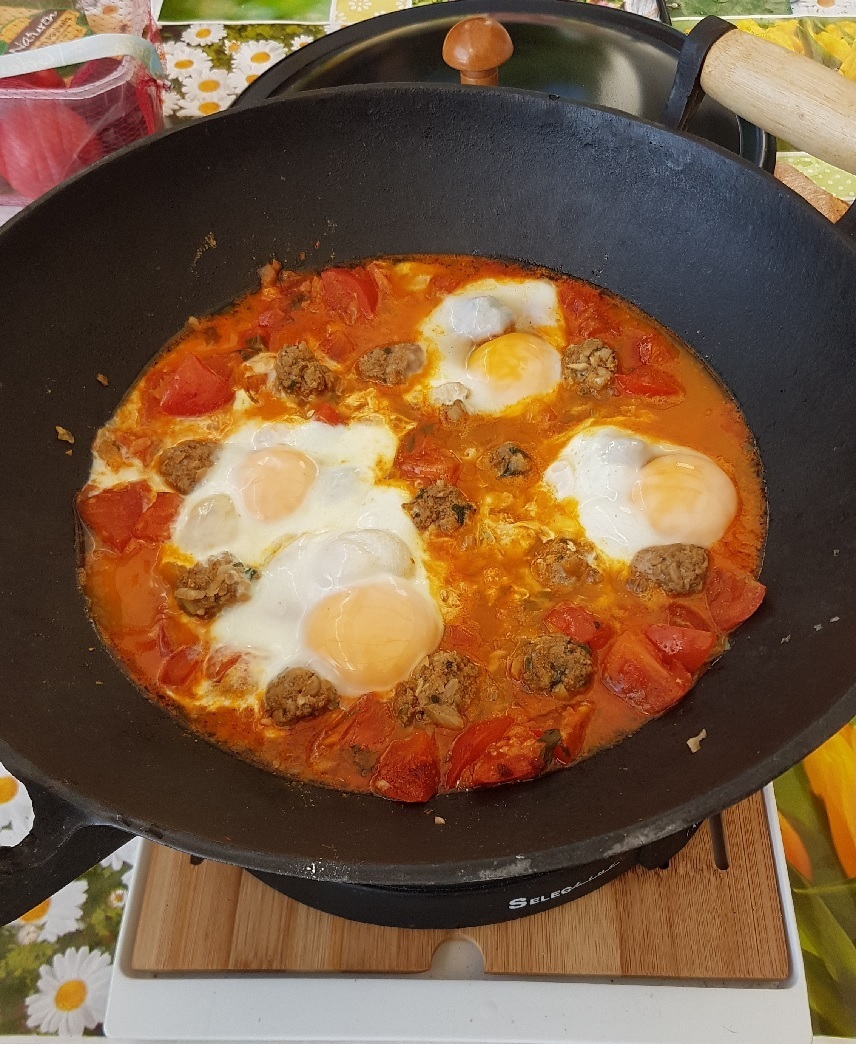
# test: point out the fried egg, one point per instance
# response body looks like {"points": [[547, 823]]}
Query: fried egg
{"points": [[633, 493], [495, 343], [353, 606], [342, 588], [273, 482]]}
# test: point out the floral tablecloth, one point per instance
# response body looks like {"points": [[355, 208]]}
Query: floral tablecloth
{"points": [[55, 961]]}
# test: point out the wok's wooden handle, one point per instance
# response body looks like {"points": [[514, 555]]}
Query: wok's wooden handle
{"points": [[787, 94], [476, 47]]}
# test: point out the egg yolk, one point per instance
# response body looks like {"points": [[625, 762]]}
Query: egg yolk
{"points": [[685, 497], [274, 482], [515, 366], [372, 636]]}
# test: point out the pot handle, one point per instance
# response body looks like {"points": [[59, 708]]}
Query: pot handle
{"points": [[783, 93], [63, 844], [786, 94]]}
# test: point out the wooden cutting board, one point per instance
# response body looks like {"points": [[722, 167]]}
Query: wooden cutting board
{"points": [[692, 921]]}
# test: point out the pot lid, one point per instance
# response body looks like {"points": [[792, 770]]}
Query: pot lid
{"points": [[587, 52]]}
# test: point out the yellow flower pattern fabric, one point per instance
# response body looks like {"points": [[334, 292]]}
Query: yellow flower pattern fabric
{"points": [[831, 772], [55, 960], [817, 813]]}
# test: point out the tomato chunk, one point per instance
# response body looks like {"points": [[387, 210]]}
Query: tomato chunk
{"points": [[472, 743], [132, 595], [349, 291], [112, 515], [337, 346], [326, 413], [219, 663], [195, 390], [732, 597], [180, 666], [428, 463], [573, 726], [272, 317], [224, 364], [685, 644], [462, 639], [586, 312], [522, 753], [254, 382], [681, 615], [370, 726], [579, 624], [409, 769], [155, 523], [655, 351], [650, 382], [633, 671]]}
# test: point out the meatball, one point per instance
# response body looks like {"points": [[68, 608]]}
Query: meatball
{"points": [[588, 367], [677, 569], [207, 587], [439, 506], [563, 563], [298, 693], [185, 465], [300, 373], [509, 461], [436, 690], [554, 664], [392, 364]]}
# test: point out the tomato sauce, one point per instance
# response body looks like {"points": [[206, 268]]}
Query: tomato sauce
{"points": [[647, 650]]}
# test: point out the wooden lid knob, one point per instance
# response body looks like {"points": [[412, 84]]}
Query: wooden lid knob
{"points": [[476, 47]]}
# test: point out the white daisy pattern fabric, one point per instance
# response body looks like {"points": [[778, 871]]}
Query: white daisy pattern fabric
{"points": [[127, 854], [71, 994], [239, 81], [27, 934], [254, 57], [203, 33], [117, 898], [212, 86], [183, 61], [59, 915], [207, 93], [16, 810], [172, 100], [207, 74], [191, 108]]}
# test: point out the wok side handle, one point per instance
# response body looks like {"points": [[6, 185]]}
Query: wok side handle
{"points": [[786, 94], [62, 845], [686, 93]]}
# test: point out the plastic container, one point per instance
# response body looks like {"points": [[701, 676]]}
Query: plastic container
{"points": [[76, 83]]}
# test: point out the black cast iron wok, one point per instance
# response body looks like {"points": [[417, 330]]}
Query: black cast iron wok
{"points": [[101, 272]]}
